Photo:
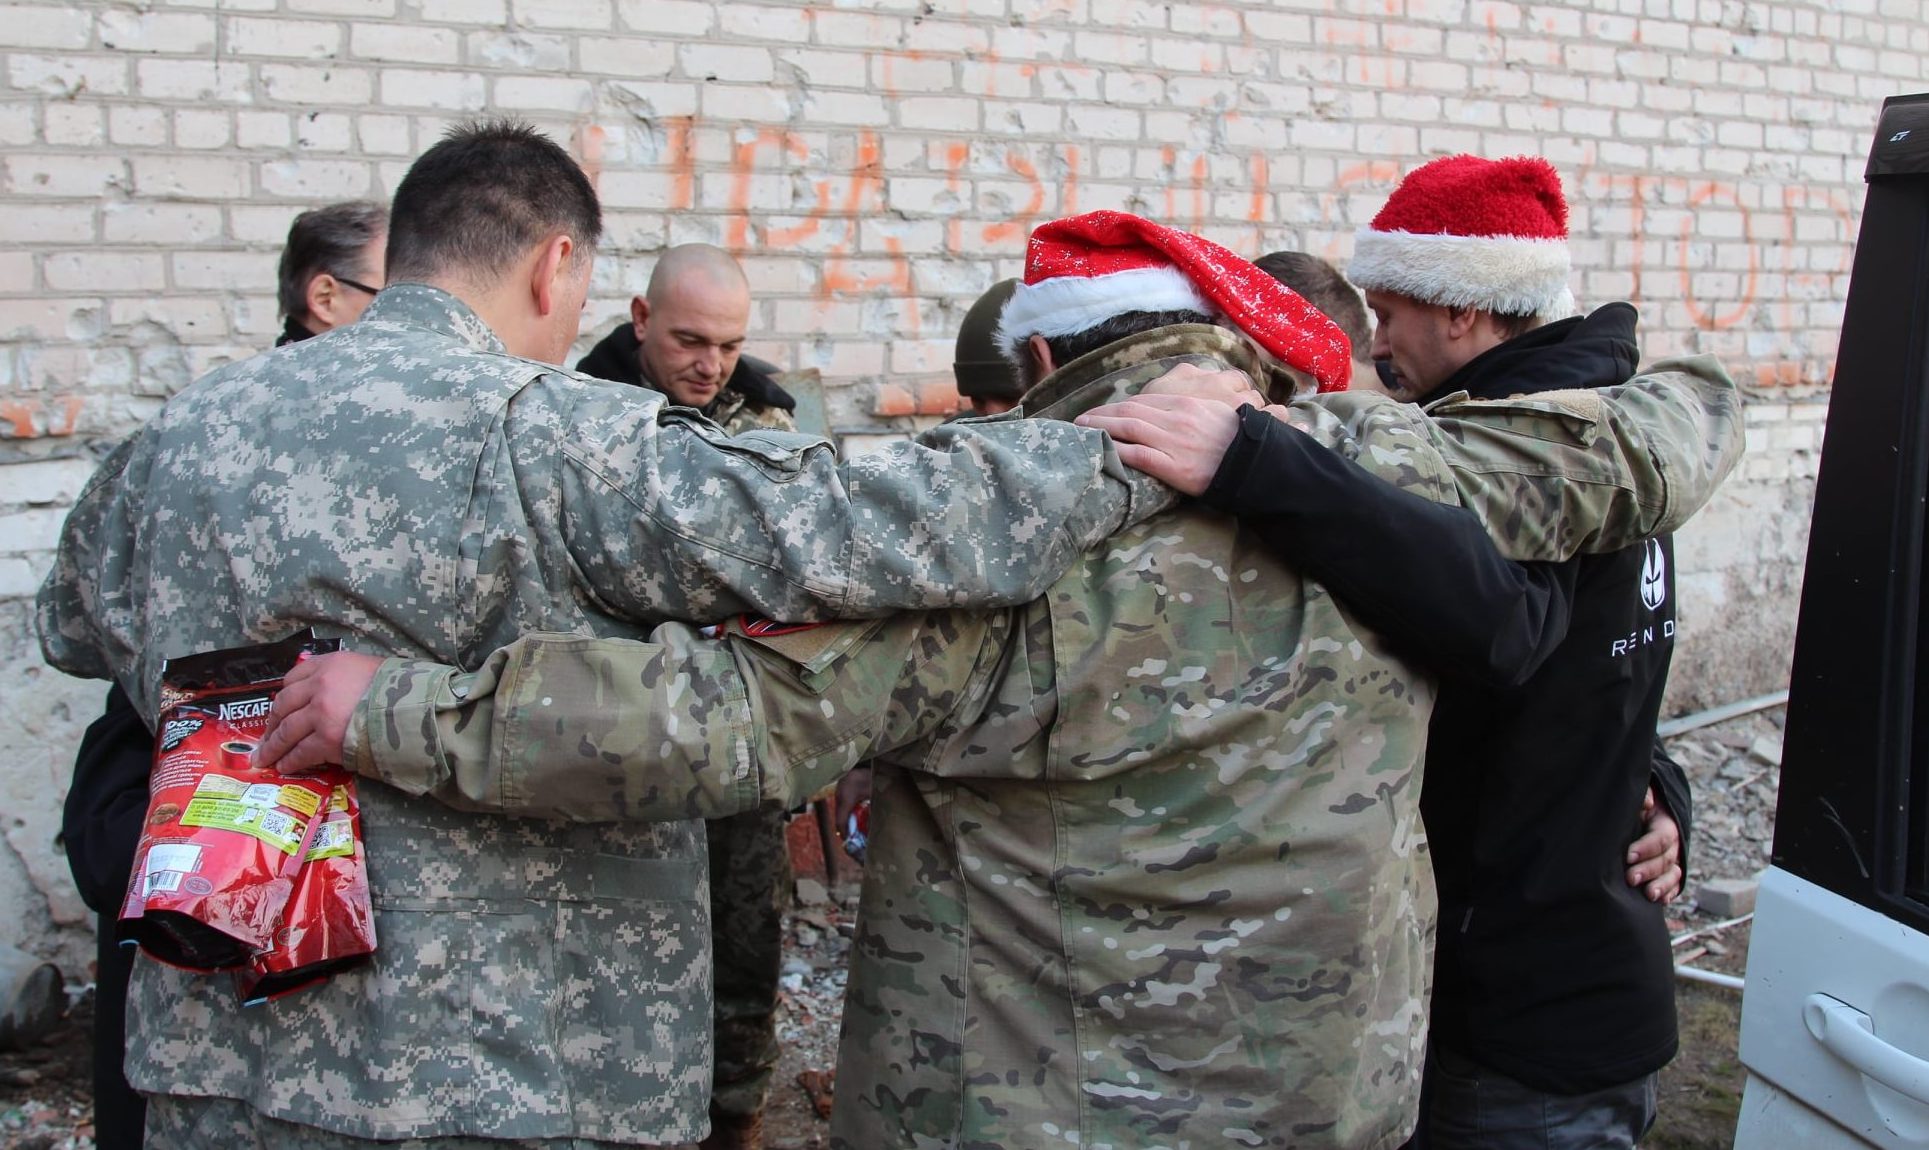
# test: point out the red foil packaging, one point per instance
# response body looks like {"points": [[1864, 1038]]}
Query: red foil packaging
{"points": [[329, 922], [223, 842]]}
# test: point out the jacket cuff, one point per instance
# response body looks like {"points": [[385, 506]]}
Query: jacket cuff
{"points": [[392, 735], [1235, 467]]}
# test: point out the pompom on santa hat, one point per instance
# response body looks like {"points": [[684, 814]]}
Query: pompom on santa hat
{"points": [[1463, 231], [1086, 269]]}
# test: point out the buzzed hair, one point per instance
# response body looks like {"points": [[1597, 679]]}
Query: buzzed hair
{"points": [[1322, 285], [328, 239], [479, 199], [707, 260]]}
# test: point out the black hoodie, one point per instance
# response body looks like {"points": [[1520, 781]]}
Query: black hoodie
{"points": [[1549, 968], [615, 358]]}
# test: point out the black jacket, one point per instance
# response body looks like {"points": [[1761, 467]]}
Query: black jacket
{"points": [[1549, 967], [615, 358]]}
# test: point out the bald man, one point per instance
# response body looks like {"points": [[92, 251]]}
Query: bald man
{"points": [[685, 339]]}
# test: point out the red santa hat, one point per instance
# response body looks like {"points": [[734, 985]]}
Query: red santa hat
{"points": [[1089, 268], [1463, 231]]}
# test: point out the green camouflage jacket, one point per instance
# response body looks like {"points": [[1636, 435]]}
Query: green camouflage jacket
{"points": [[1146, 865], [406, 485]]}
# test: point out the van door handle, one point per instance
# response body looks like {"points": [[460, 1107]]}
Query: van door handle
{"points": [[1848, 1034]]}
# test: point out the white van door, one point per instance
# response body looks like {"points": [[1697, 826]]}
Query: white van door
{"points": [[1835, 1017]]}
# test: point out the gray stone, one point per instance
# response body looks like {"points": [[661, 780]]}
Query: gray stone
{"points": [[1727, 897], [811, 892], [1768, 749]]}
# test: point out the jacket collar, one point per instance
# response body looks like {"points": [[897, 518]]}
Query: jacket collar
{"points": [[1596, 350], [419, 305], [615, 357], [1101, 376]]}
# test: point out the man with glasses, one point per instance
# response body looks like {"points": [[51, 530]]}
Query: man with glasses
{"points": [[331, 268]]}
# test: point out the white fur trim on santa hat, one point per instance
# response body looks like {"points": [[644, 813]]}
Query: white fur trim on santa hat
{"points": [[1067, 305], [1502, 274]]}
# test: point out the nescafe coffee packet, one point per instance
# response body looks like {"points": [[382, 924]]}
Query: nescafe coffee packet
{"points": [[329, 922], [222, 842]]}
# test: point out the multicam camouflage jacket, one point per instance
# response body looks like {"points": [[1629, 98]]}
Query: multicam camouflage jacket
{"points": [[406, 485], [1146, 865]]}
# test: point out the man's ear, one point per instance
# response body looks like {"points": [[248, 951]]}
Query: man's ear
{"points": [[1040, 354], [551, 272], [320, 300], [1460, 321], [639, 316]]}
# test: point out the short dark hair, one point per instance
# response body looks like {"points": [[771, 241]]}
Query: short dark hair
{"points": [[482, 196], [1512, 326], [1066, 348], [1322, 285], [329, 240]]}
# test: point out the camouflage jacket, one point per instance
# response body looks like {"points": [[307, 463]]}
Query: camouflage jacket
{"points": [[406, 485], [1146, 863]]}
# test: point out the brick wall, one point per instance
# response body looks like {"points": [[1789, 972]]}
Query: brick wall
{"points": [[878, 165]]}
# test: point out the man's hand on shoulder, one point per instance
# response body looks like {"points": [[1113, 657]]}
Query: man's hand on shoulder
{"points": [[1229, 386], [1177, 439], [312, 712]]}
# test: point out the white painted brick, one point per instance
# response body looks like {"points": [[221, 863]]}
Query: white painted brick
{"points": [[192, 177], [88, 176], [846, 108], [75, 125], [586, 14], [104, 271], [384, 135], [27, 222], [653, 99], [527, 51], [45, 26], [261, 129], [35, 530], [667, 17], [755, 105], [834, 69], [524, 93], [50, 319], [306, 85], [17, 271], [160, 224], [316, 179], [762, 22], [64, 77], [626, 57], [42, 482], [939, 113], [400, 43], [200, 81], [324, 132], [202, 130], [184, 33], [298, 39], [856, 29], [224, 271], [1114, 48], [894, 74], [724, 62], [343, 7], [490, 12], [138, 125], [1096, 122], [17, 125], [452, 91]]}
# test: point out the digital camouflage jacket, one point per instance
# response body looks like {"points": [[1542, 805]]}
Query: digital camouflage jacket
{"points": [[406, 485], [1146, 865]]}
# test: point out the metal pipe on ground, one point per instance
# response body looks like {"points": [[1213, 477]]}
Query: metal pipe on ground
{"points": [[1719, 714]]}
